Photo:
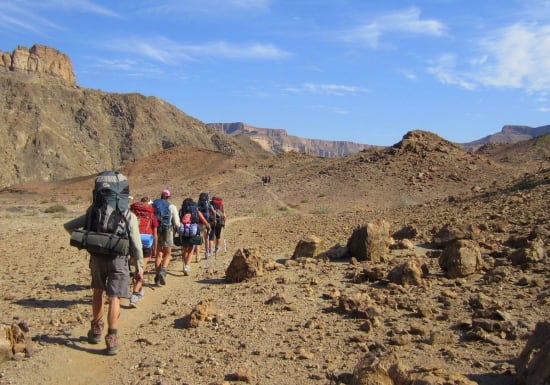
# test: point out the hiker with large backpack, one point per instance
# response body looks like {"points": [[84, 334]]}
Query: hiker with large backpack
{"points": [[110, 234], [205, 208], [189, 230], [219, 223], [167, 215], [148, 225]]}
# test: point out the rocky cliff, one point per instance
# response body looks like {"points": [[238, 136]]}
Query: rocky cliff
{"points": [[36, 61], [52, 129], [278, 141]]}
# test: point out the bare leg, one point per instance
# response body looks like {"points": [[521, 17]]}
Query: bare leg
{"points": [[114, 312], [97, 304]]}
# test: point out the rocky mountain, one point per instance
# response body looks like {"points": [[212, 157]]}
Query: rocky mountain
{"points": [[52, 129], [278, 141], [508, 134]]}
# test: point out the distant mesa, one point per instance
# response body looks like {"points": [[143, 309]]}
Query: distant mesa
{"points": [[277, 141], [508, 134], [38, 60]]}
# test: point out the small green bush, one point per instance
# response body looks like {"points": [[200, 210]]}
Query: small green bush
{"points": [[55, 209]]}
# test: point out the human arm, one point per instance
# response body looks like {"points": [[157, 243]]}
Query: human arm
{"points": [[203, 220], [175, 216], [135, 244]]}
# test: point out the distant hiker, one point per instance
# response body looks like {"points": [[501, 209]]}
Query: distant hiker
{"points": [[219, 223], [108, 217], [189, 230], [148, 225], [167, 215]]}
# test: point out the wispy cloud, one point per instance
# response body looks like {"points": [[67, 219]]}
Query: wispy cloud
{"points": [[82, 6], [444, 69], [21, 16], [24, 15], [517, 56], [330, 89], [170, 52], [209, 7], [405, 21]]}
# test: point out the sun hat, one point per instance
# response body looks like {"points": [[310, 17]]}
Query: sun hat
{"points": [[165, 193]]}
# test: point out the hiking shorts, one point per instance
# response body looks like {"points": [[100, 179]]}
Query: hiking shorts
{"points": [[147, 251], [111, 275], [166, 238], [215, 232]]}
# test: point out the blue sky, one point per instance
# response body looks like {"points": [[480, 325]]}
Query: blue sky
{"points": [[353, 70]]}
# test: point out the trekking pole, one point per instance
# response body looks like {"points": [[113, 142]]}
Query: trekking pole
{"points": [[207, 247], [225, 245]]}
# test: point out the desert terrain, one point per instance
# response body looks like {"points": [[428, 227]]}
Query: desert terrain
{"points": [[303, 320]]}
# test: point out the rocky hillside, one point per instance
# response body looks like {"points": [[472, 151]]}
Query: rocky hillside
{"points": [[52, 129], [278, 141]]}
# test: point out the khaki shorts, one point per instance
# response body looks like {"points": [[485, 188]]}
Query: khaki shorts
{"points": [[166, 238], [111, 275]]}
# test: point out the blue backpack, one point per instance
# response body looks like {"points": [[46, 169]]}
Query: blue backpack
{"points": [[204, 205], [162, 211]]}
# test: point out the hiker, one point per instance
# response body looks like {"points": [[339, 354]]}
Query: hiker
{"points": [[189, 230], [109, 215], [219, 223], [167, 215], [148, 225], [205, 208]]}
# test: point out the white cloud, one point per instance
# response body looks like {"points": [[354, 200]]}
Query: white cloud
{"points": [[83, 6], [170, 52], [404, 21], [21, 16], [517, 56], [210, 7], [331, 89], [444, 69]]}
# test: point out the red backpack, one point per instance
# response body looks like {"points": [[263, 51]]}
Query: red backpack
{"points": [[217, 204], [144, 212]]}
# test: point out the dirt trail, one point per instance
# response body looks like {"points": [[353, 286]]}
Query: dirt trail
{"points": [[71, 360]]}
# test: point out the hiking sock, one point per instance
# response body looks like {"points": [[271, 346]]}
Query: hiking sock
{"points": [[112, 331]]}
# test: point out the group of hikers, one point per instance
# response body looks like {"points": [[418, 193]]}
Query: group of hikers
{"points": [[119, 234]]}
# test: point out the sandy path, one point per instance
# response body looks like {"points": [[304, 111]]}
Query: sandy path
{"points": [[71, 360]]}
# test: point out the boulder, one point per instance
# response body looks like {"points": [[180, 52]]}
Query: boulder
{"points": [[370, 242], [533, 252], [244, 265], [308, 247], [532, 365], [408, 273], [202, 312], [460, 258]]}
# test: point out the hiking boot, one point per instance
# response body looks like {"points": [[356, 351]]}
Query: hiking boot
{"points": [[162, 276], [134, 299], [112, 344], [186, 269], [157, 280], [216, 249], [95, 332]]}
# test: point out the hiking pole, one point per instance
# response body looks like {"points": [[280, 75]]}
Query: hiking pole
{"points": [[207, 247], [225, 245]]}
